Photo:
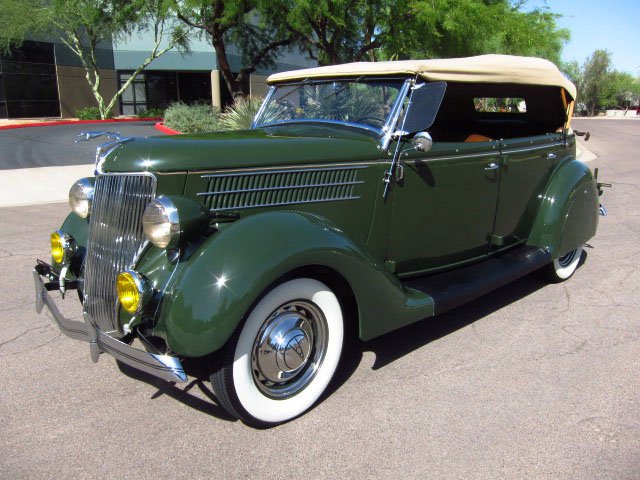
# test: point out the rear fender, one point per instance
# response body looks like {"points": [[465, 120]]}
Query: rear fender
{"points": [[568, 214]]}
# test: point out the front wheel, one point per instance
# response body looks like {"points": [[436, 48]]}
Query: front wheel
{"points": [[562, 268], [281, 360]]}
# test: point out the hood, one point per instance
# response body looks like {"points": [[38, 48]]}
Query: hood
{"points": [[273, 146]]}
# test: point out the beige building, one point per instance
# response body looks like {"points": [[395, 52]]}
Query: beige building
{"points": [[45, 79]]}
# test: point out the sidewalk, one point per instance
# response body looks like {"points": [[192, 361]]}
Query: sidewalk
{"points": [[583, 153], [32, 186], [42, 122], [631, 116], [25, 121]]}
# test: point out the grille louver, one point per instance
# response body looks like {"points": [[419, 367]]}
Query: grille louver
{"points": [[115, 239], [270, 188]]}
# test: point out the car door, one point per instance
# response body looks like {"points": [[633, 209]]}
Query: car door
{"points": [[527, 164], [443, 206]]}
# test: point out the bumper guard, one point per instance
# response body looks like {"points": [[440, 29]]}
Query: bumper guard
{"points": [[166, 367]]}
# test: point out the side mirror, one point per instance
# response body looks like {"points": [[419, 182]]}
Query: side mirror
{"points": [[422, 141]]}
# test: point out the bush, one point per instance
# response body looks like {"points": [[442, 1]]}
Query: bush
{"points": [[151, 113], [196, 118], [89, 113], [240, 115]]}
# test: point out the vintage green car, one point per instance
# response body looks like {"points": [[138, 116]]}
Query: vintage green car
{"points": [[367, 196]]}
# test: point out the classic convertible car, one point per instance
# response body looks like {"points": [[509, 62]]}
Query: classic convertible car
{"points": [[366, 195]]}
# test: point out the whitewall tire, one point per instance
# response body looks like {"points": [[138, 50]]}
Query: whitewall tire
{"points": [[283, 357], [563, 267]]}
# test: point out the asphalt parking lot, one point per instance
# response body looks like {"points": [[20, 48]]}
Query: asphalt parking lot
{"points": [[55, 146], [531, 381]]}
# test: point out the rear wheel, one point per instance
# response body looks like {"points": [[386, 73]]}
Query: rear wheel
{"points": [[281, 360], [562, 268]]}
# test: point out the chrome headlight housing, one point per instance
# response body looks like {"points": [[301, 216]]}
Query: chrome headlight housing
{"points": [[81, 197], [63, 247], [169, 220], [161, 224]]}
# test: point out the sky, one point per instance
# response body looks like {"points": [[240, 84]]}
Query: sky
{"points": [[613, 25]]}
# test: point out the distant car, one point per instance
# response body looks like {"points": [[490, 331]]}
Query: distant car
{"points": [[366, 194]]}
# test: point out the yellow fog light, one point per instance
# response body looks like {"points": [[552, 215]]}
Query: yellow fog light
{"points": [[63, 247], [133, 291]]}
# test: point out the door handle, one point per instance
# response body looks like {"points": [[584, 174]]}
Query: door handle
{"points": [[492, 166], [551, 155]]}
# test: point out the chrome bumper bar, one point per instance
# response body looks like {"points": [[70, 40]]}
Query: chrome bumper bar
{"points": [[165, 367]]}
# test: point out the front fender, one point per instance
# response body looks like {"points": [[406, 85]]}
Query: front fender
{"points": [[212, 291], [568, 214]]}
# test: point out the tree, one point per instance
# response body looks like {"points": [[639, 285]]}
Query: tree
{"points": [[236, 22], [621, 90], [82, 25], [594, 77], [338, 31], [572, 70], [15, 28], [456, 28], [86, 23]]}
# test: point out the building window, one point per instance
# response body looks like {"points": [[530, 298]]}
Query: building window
{"points": [[159, 89], [28, 82], [134, 98]]}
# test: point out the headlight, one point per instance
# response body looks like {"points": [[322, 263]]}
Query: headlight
{"points": [[81, 197], [161, 224], [63, 247], [167, 221], [133, 290]]}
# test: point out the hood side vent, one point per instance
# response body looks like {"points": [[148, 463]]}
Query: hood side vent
{"points": [[270, 188]]}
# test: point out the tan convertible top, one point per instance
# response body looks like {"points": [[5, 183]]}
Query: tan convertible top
{"points": [[480, 69]]}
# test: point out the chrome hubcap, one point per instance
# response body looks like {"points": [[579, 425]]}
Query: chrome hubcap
{"points": [[289, 348]]}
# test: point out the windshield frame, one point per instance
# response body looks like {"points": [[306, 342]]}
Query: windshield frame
{"points": [[384, 131]]}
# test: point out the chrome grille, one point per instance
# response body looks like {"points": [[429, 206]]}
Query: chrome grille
{"points": [[269, 188], [115, 239]]}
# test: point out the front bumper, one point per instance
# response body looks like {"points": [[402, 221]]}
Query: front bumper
{"points": [[165, 367]]}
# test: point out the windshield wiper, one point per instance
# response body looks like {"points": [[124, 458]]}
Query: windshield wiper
{"points": [[302, 84]]}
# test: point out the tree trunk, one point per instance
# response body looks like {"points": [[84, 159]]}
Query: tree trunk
{"points": [[229, 78]]}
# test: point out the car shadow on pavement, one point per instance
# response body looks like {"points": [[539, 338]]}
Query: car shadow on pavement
{"points": [[399, 343], [182, 393], [395, 345]]}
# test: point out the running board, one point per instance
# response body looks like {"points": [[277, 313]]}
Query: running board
{"points": [[456, 287]]}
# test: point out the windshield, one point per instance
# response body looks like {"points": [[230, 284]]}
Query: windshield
{"points": [[358, 101]]}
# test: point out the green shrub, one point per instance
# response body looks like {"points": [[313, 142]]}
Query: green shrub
{"points": [[197, 118], [240, 115], [151, 113], [88, 113]]}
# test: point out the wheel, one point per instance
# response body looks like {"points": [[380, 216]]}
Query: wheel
{"points": [[562, 268], [282, 358]]}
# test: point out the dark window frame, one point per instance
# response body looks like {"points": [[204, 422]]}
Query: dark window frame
{"points": [[141, 79]]}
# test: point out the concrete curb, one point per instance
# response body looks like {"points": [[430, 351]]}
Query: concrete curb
{"points": [[76, 122], [166, 130]]}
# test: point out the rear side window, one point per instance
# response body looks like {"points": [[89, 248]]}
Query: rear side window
{"points": [[500, 104]]}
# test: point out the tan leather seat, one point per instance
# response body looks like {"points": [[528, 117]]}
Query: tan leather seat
{"points": [[474, 137]]}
